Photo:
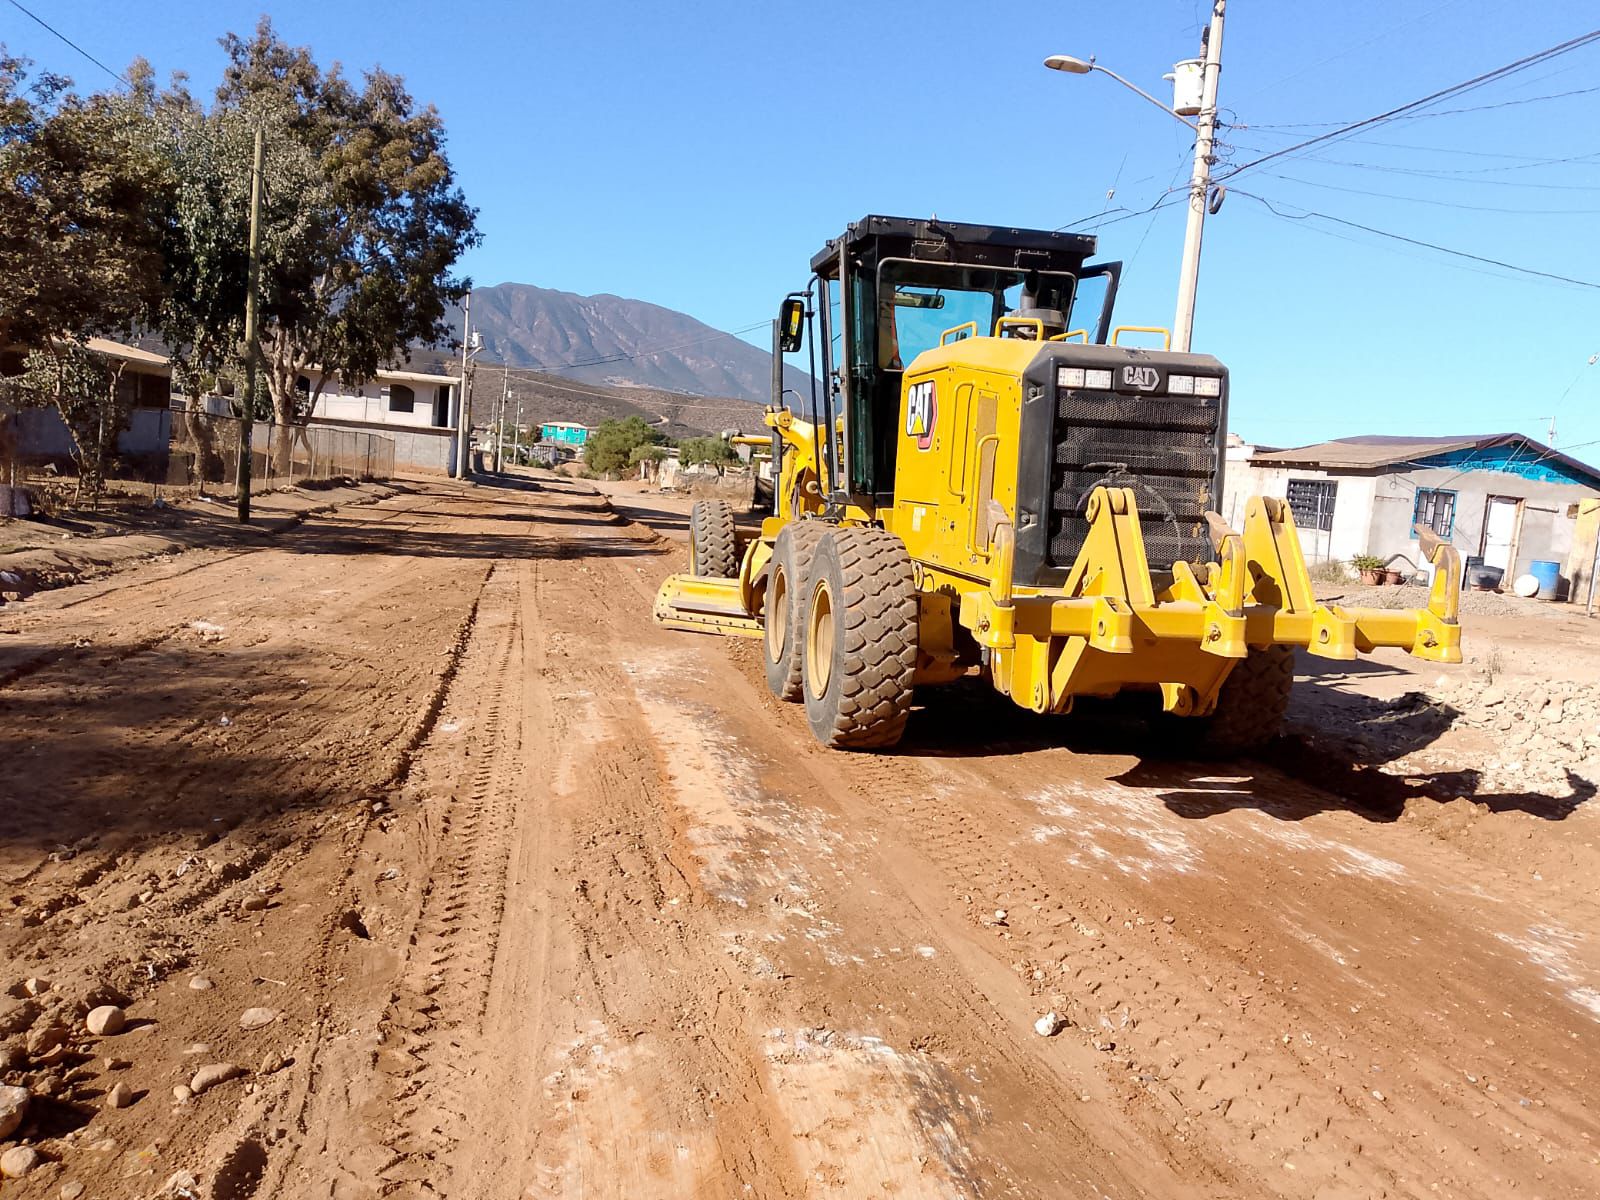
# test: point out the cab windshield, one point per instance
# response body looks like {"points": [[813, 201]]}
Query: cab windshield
{"points": [[919, 302]]}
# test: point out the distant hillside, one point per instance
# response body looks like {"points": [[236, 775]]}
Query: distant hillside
{"points": [[617, 342]]}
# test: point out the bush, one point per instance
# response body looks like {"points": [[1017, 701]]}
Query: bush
{"points": [[610, 447], [712, 451]]}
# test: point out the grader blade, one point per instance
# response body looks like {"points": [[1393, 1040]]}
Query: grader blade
{"points": [[705, 605]]}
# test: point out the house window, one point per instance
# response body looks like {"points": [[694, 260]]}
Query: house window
{"points": [[401, 398], [1311, 502], [1436, 510]]}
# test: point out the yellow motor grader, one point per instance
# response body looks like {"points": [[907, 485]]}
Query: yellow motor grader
{"points": [[987, 479]]}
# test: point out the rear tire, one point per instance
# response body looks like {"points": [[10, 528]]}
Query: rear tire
{"points": [[861, 639], [713, 543], [784, 611], [1250, 707]]}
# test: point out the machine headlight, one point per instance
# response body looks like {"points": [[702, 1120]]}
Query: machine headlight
{"points": [[1079, 377], [1194, 385]]}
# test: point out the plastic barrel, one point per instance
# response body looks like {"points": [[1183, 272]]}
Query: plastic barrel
{"points": [[1472, 560], [1549, 576]]}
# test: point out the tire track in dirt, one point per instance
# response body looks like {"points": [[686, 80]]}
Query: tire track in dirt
{"points": [[1194, 1032], [649, 1081], [134, 902], [436, 1019], [737, 836], [1248, 1031]]}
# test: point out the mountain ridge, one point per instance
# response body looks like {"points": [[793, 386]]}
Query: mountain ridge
{"points": [[619, 342]]}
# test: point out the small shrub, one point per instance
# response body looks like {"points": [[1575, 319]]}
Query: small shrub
{"points": [[1330, 571]]}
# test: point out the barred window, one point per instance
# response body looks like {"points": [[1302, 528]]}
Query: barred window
{"points": [[1436, 509], [1311, 502]]}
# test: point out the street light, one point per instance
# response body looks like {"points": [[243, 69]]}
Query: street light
{"points": [[1077, 66], [1200, 179], [1072, 66]]}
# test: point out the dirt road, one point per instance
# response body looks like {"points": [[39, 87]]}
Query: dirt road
{"points": [[539, 900]]}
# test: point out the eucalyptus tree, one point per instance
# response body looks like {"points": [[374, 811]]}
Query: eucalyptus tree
{"points": [[367, 273], [84, 196]]}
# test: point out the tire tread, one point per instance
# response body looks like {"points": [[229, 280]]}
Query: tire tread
{"points": [[716, 542], [877, 614]]}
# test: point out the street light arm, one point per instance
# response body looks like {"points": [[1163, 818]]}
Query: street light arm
{"points": [[1137, 90]]}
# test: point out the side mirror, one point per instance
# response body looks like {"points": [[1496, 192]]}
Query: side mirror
{"points": [[791, 324]]}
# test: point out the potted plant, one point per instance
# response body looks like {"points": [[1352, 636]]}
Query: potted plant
{"points": [[1370, 567], [1391, 576]]}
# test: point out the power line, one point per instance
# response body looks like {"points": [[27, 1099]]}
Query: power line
{"points": [[117, 75], [1382, 35], [1476, 81], [1493, 262], [1587, 158], [1127, 214], [1529, 212], [663, 396], [1444, 177], [1441, 112], [1539, 159], [1520, 162]]}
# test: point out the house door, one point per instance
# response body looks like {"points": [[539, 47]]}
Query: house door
{"points": [[1500, 533]]}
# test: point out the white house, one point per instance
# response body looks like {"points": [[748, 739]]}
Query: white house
{"points": [[1502, 498], [144, 381], [416, 409]]}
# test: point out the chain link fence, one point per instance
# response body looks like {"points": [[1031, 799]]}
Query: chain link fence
{"points": [[204, 451]]}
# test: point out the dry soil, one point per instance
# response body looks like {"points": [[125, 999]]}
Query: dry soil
{"points": [[544, 901]]}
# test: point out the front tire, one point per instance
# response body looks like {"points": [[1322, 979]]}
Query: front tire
{"points": [[1250, 707], [784, 612], [861, 639], [713, 543]]}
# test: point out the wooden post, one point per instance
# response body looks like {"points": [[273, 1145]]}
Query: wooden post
{"points": [[253, 277]]}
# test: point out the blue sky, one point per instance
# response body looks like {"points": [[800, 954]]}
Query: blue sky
{"points": [[695, 155]]}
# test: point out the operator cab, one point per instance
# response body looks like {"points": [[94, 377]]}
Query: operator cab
{"points": [[895, 286]]}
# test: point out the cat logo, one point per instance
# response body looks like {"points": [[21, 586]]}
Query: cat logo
{"points": [[921, 413], [1143, 378]]}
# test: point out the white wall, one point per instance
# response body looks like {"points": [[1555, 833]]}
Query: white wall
{"points": [[1352, 505], [341, 403], [1546, 530], [1372, 514], [41, 433]]}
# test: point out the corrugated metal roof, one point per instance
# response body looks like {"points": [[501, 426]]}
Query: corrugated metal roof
{"points": [[1378, 450], [1375, 452], [127, 353]]}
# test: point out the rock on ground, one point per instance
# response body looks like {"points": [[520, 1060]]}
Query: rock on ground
{"points": [[256, 1018], [106, 1020], [18, 1161], [13, 1107], [213, 1074]]}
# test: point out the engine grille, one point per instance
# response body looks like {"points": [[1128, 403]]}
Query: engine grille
{"points": [[1163, 447]]}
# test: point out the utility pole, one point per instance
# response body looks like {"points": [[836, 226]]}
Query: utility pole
{"points": [[252, 285], [463, 422], [1199, 183], [500, 422], [516, 436]]}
